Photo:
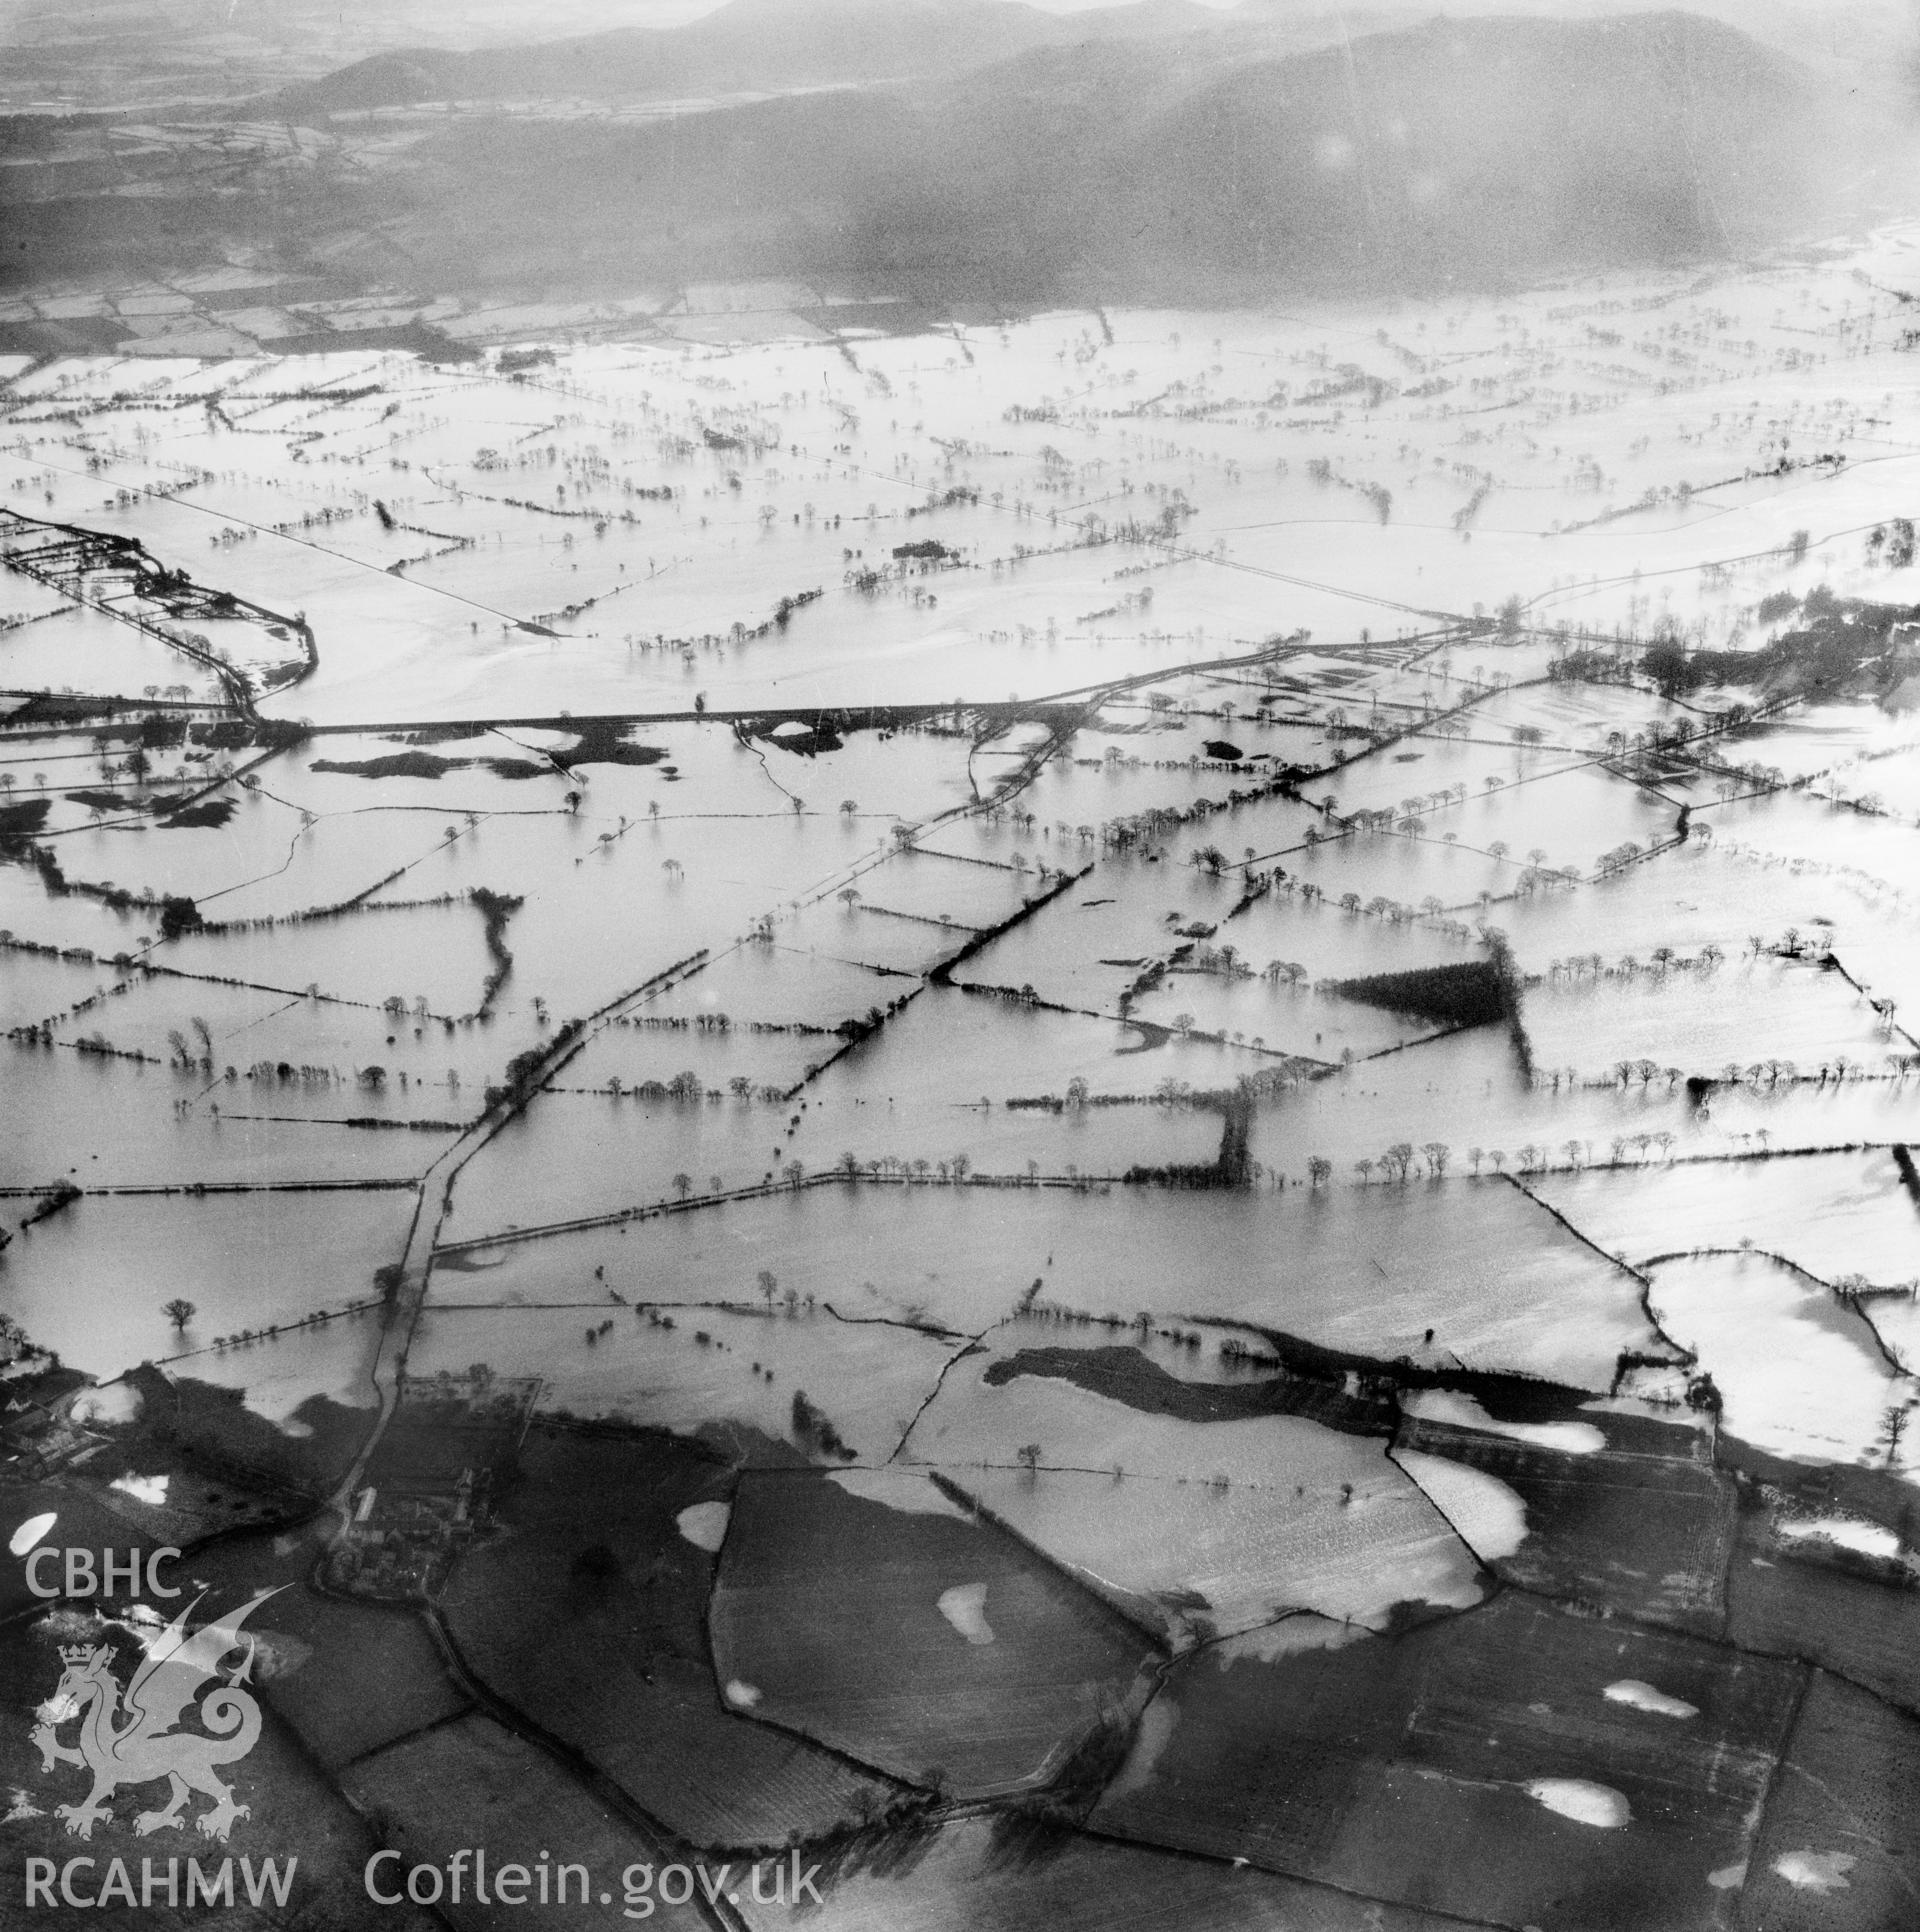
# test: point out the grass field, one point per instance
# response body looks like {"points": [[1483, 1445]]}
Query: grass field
{"points": [[591, 1563], [1838, 1849], [295, 1812], [1652, 1486], [977, 1876], [473, 1783], [1452, 1729], [937, 1649]]}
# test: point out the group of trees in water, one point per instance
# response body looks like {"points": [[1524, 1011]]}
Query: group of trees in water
{"points": [[1397, 1162], [180, 1313]]}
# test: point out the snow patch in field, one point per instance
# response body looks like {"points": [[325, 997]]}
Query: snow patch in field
{"points": [[1811, 1871], [1849, 1532], [965, 1607], [905, 1490], [1488, 1517], [1585, 1803], [1728, 1876], [1643, 1697], [143, 1489], [1464, 1412], [30, 1532], [742, 1696], [1672, 1411], [1272, 1642], [704, 1525]]}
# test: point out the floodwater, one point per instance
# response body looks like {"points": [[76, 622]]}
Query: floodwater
{"points": [[1026, 449], [1106, 507]]}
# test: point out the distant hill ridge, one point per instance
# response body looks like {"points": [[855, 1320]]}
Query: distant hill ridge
{"points": [[969, 154], [745, 46], [1495, 145], [1462, 150]]}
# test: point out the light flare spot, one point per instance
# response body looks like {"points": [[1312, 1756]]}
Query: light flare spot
{"points": [[111, 1402]]}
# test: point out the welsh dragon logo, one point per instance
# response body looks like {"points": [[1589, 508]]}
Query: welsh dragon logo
{"points": [[138, 1741]]}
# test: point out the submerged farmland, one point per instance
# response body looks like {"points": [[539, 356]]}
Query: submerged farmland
{"points": [[1128, 1096]]}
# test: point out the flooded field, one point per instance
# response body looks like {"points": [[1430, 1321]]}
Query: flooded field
{"points": [[649, 506], [250, 1268]]}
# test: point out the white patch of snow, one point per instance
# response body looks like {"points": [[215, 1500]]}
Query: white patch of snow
{"points": [[1673, 1412], [1811, 1871], [143, 1489], [1464, 1412], [1490, 1519], [901, 1489], [1849, 1532], [1728, 1876], [742, 1696], [1643, 1697], [965, 1607], [1288, 1638], [1585, 1803], [704, 1525], [31, 1532]]}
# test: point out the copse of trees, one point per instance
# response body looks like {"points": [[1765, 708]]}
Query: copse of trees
{"points": [[1468, 993], [1232, 1167], [814, 1429], [1839, 639], [523, 1070], [177, 915], [496, 908]]}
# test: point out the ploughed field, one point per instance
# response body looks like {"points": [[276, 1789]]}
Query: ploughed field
{"points": [[1109, 1118]]}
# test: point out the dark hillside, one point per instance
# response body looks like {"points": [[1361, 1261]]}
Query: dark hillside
{"points": [[1477, 151], [1475, 148], [1112, 166]]}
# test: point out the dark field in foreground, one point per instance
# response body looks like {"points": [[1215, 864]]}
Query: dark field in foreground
{"points": [[1366, 1766], [589, 1609], [928, 1644]]}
